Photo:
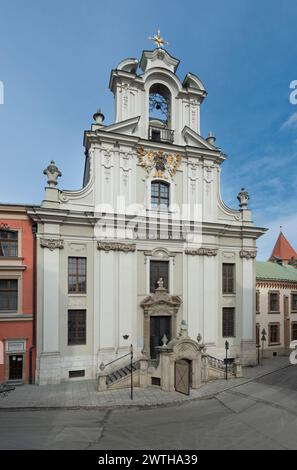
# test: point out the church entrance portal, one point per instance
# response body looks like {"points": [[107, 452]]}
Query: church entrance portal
{"points": [[159, 326]]}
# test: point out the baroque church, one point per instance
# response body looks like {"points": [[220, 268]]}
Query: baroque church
{"points": [[147, 244]]}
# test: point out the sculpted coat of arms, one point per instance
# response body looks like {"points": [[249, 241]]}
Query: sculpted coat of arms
{"points": [[159, 164]]}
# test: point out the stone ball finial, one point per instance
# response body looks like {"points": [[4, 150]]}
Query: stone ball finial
{"points": [[243, 198], [53, 173], [98, 117]]}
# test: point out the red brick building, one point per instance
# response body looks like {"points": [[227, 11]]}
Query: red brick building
{"points": [[17, 295]]}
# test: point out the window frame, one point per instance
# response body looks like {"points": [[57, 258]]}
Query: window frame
{"points": [[257, 302], [76, 275], [16, 291], [159, 207], [293, 310], [78, 338], [224, 333], [293, 324], [277, 293], [160, 262], [273, 343], [226, 279], [10, 242]]}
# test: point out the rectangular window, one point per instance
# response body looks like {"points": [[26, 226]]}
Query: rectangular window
{"points": [[9, 243], [8, 295], [257, 301], [274, 333], [228, 278], [77, 275], [257, 334], [294, 302], [273, 301], [294, 331], [159, 269], [228, 322], [77, 327]]}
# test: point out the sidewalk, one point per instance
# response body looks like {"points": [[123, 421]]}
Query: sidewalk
{"points": [[83, 394]]}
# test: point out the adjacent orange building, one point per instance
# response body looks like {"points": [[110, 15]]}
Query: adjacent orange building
{"points": [[17, 295]]}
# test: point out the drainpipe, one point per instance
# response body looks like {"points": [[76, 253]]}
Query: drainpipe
{"points": [[34, 291]]}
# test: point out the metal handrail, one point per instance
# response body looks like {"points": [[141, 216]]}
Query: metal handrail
{"points": [[115, 360], [164, 134]]}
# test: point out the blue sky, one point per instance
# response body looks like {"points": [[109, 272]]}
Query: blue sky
{"points": [[55, 62]]}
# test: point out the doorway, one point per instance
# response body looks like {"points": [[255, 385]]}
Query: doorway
{"points": [[16, 367], [159, 326], [182, 376]]}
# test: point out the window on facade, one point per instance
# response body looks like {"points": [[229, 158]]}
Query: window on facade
{"points": [[159, 195], [8, 243], [228, 278], [273, 333], [77, 275], [294, 331], [273, 299], [228, 322], [294, 302], [8, 295], [159, 269], [77, 327], [257, 302], [257, 334]]}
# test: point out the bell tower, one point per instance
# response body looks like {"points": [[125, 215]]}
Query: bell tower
{"points": [[150, 94]]}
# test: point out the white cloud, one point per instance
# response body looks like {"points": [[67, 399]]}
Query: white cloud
{"points": [[291, 122]]}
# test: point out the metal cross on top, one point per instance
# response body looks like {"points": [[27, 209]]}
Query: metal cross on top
{"points": [[158, 40]]}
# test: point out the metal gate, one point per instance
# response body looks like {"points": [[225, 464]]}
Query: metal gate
{"points": [[182, 376]]}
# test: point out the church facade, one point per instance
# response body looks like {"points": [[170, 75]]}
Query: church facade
{"points": [[149, 216]]}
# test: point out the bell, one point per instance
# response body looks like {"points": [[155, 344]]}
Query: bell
{"points": [[158, 106]]}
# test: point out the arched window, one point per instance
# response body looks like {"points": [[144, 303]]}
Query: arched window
{"points": [[159, 195], [160, 113]]}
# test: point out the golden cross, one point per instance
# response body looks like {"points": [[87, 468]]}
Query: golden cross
{"points": [[158, 40]]}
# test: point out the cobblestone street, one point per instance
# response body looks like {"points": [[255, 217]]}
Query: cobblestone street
{"points": [[257, 412]]}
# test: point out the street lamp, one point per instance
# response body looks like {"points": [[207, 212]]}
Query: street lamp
{"points": [[263, 339], [131, 365], [226, 360]]}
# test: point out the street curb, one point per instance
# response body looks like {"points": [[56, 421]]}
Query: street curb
{"points": [[138, 406]]}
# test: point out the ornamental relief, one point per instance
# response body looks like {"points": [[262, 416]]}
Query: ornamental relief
{"points": [[51, 243], [116, 246], [159, 164], [247, 254], [201, 251]]}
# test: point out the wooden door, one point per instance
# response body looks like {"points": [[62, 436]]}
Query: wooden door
{"points": [[16, 367], [182, 376]]}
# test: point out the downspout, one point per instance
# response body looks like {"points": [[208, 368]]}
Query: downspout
{"points": [[34, 292]]}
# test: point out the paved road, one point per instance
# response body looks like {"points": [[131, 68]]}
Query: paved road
{"points": [[261, 414]]}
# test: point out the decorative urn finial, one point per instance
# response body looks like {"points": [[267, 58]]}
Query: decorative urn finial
{"points": [[164, 340], [99, 117], [243, 197], [211, 138], [53, 173]]}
